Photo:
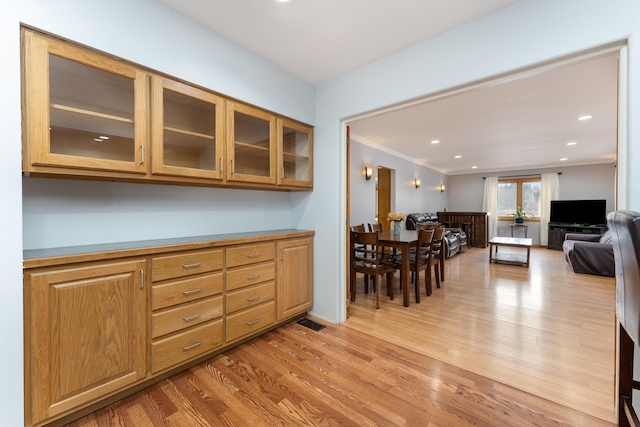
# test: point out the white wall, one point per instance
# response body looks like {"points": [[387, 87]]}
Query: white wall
{"points": [[576, 183], [527, 33], [66, 212], [11, 337], [524, 34], [408, 198]]}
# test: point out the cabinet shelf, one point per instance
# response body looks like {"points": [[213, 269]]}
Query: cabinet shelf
{"points": [[248, 146], [188, 132], [293, 157], [91, 113]]}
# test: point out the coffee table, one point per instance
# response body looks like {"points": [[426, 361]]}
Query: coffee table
{"points": [[509, 257]]}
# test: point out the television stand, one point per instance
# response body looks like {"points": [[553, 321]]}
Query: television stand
{"points": [[557, 232]]}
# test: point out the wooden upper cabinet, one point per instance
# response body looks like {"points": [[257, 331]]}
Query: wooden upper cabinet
{"points": [[187, 136], [82, 110], [251, 144], [94, 116], [295, 148]]}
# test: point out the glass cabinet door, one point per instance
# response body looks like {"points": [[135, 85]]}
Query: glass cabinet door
{"points": [[295, 154], [251, 146], [187, 130], [79, 115]]}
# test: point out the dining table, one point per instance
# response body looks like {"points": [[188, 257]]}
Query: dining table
{"points": [[402, 242]]}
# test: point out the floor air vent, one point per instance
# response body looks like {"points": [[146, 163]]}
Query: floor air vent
{"points": [[311, 324]]}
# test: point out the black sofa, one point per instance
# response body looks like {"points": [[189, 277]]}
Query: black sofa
{"points": [[455, 240]]}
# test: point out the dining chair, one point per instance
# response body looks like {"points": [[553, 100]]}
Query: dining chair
{"points": [[435, 259], [367, 258], [441, 242], [625, 238], [419, 261], [390, 253], [360, 228]]}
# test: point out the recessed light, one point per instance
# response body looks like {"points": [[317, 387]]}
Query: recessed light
{"points": [[474, 167], [103, 137], [572, 143], [283, 1], [435, 141], [458, 157], [564, 159], [97, 139], [582, 118]]}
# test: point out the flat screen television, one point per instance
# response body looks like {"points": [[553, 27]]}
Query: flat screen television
{"points": [[583, 212]]}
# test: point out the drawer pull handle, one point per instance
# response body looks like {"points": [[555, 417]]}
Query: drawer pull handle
{"points": [[253, 322], [257, 254], [190, 318], [194, 265], [192, 291], [257, 297], [189, 347], [254, 277]]}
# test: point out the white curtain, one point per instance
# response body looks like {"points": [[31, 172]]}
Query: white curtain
{"points": [[550, 191], [490, 204]]}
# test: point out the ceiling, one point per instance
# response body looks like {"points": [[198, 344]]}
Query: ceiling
{"points": [[521, 123]]}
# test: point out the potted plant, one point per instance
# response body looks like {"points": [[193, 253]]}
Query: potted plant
{"points": [[519, 216]]}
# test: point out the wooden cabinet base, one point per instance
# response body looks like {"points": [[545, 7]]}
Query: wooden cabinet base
{"points": [[97, 330]]}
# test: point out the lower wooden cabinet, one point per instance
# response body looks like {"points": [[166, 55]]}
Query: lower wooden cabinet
{"points": [[295, 277], [97, 324], [185, 346], [86, 334]]}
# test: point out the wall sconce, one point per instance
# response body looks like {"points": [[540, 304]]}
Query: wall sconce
{"points": [[368, 172], [417, 182], [442, 188]]}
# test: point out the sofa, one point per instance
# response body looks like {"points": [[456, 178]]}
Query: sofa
{"points": [[589, 253], [455, 240]]}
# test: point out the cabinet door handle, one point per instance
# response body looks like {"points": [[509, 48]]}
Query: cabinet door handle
{"points": [[142, 154], [281, 254], [192, 291], [221, 165], [194, 265], [253, 322], [282, 171], [189, 347], [253, 277], [257, 254], [254, 298], [233, 169], [190, 318], [141, 279]]}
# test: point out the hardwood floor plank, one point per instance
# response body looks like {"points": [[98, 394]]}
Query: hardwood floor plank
{"points": [[494, 346], [544, 329]]}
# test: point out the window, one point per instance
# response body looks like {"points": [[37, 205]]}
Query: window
{"points": [[514, 192]]}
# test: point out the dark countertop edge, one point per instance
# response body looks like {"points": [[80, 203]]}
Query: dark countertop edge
{"points": [[32, 257]]}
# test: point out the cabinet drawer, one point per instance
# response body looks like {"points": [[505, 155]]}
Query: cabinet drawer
{"points": [[249, 321], [171, 266], [250, 275], [185, 316], [187, 345], [244, 255], [248, 297], [186, 290]]}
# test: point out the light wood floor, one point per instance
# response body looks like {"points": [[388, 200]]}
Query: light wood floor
{"points": [[544, 330], [495, 346]]}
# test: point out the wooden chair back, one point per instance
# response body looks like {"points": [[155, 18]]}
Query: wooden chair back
{"points": [[366, 257], [377, 227], [423, 247], [625, 238]]}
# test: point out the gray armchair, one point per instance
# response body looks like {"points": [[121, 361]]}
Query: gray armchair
{"points": [[589, 253]]}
